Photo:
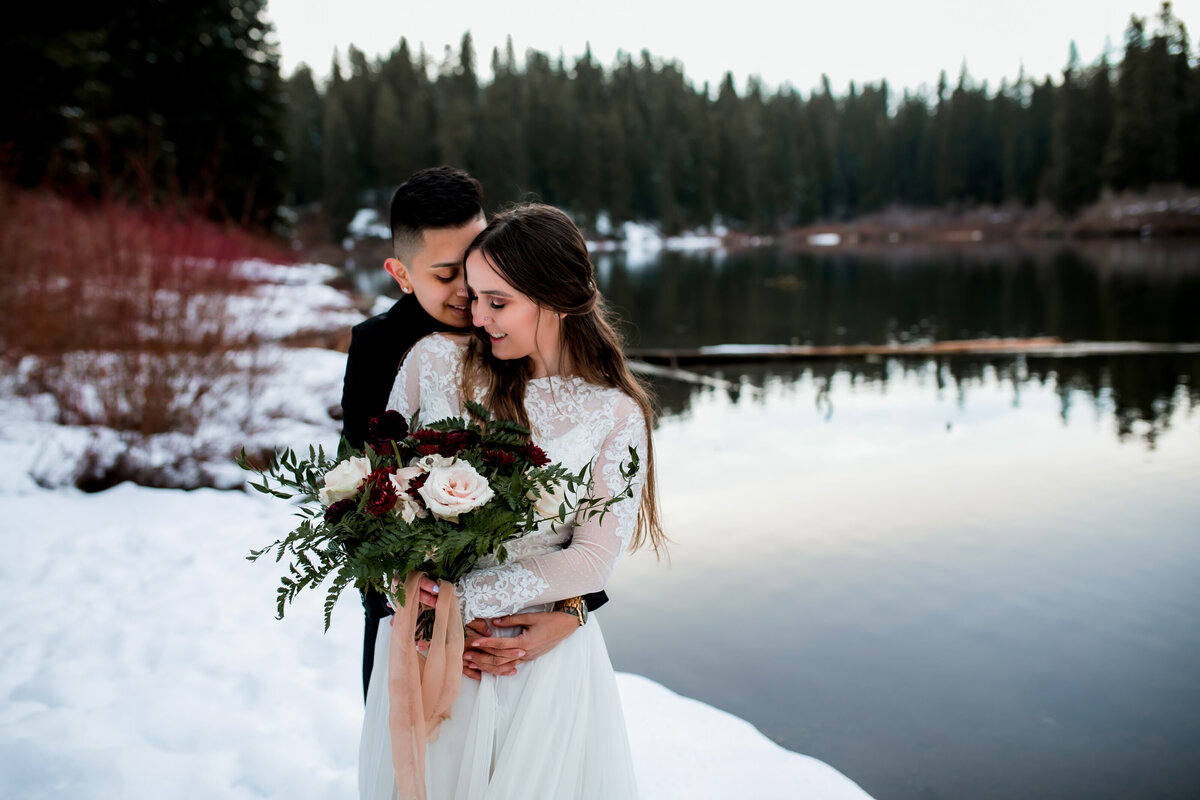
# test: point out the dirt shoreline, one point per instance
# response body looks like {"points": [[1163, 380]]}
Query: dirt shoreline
{"points": [[1165, 214]]}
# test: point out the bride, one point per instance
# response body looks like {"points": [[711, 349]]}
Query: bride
{"points": [[542, 353]]}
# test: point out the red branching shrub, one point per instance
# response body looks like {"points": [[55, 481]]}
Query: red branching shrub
{"points": [[120, 312]]}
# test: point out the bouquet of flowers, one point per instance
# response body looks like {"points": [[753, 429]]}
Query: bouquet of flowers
{"points": [[433, 498]]}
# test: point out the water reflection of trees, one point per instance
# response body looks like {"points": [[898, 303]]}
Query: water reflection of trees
{"points": [[1141, 392], [1116, 292]]}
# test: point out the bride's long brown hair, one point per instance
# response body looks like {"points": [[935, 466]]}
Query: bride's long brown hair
{"points": [[538, 251]]}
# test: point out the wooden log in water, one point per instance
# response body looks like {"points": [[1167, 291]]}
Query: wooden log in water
{"points": [[1038, 346], [675, 373]]}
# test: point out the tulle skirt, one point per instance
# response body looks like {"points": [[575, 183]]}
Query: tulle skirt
{"points": [[553, 731]]}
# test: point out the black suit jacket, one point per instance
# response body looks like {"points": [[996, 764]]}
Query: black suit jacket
{"points": [[377, 346]]}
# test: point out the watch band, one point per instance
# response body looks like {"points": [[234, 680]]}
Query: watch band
{"points": [[575, 607]]}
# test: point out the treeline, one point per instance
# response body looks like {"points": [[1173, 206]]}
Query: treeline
{"points": [[640, 141], [184, 102]]}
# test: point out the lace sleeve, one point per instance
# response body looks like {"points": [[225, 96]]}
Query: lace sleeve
{"points": [[406, 391], [428, 378], [585, 564]]}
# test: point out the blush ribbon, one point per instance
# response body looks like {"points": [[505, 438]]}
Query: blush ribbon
{"points": [[421, 692]]}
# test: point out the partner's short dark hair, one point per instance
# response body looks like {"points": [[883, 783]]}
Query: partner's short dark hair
{"points": [[437, 197]]}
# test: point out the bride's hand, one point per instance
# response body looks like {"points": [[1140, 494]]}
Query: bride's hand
{"points": [[428, 592]]}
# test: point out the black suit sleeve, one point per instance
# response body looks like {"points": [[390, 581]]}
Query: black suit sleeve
{"points": [[594, 601]]}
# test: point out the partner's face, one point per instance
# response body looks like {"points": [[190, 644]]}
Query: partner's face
{"points": [[435, 274], [516, 326]]}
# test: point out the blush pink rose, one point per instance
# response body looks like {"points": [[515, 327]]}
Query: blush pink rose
{"points": [[453, 490]]}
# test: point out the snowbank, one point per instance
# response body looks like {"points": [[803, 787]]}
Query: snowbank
{"points": [[142, 660], [367, 225]]}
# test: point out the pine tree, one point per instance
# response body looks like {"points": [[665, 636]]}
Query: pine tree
{"points": [[617, 186], [1127, 161], [358, 102], [304, 130], [635, 140], [149, 101], [1071, 180], [589, 101], [908, 153], [501, 148], [1036, 155], [413, 145], [387, 132], [339, 161]]}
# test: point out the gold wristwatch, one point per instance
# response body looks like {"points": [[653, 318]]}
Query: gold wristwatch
{"points": [[575, 607]]}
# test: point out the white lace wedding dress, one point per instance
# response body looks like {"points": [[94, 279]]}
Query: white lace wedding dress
{"points": [[555, 730]]}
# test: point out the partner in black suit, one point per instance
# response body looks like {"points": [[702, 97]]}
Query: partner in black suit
{"points": [[434, 216]]}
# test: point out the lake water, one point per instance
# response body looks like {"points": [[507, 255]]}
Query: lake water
{"points": [[951, 578]]}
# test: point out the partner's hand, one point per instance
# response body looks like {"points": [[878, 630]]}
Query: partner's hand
{"points": [[543, 630]]}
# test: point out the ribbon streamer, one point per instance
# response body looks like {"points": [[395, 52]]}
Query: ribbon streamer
{"points": [[421, 694]]}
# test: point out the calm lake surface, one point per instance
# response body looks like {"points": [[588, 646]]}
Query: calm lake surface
{"points": [[949, 578], [952, 578]]}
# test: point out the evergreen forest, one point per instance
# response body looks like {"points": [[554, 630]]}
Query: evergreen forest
{"points": [[189, 103]]}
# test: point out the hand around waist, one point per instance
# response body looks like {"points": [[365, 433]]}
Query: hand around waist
{"points": [[538, 632]]}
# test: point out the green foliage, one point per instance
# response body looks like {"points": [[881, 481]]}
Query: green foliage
{"points": [[369, 546]]}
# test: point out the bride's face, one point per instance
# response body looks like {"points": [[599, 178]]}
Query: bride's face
{"points": [[516, 326]]}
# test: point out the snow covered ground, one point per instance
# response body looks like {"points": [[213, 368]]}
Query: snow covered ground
{"points": [[141, 657]]}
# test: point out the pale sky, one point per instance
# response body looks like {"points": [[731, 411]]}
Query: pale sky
{"points": [[908, 42]]}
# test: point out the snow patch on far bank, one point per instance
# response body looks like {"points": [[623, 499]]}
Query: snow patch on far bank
{"points": [[643, 242]]}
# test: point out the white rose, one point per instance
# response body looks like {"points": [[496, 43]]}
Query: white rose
{"points": [[345, 480], [406, 505], [453, 490], [547, 502]]}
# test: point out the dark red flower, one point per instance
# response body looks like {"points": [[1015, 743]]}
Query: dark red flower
{"points": [[382, 497], [428, 449], [428, 436], [454, 442], [388, 427], [335, 512], [536, 455], [498, 458], [417, 483]]}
